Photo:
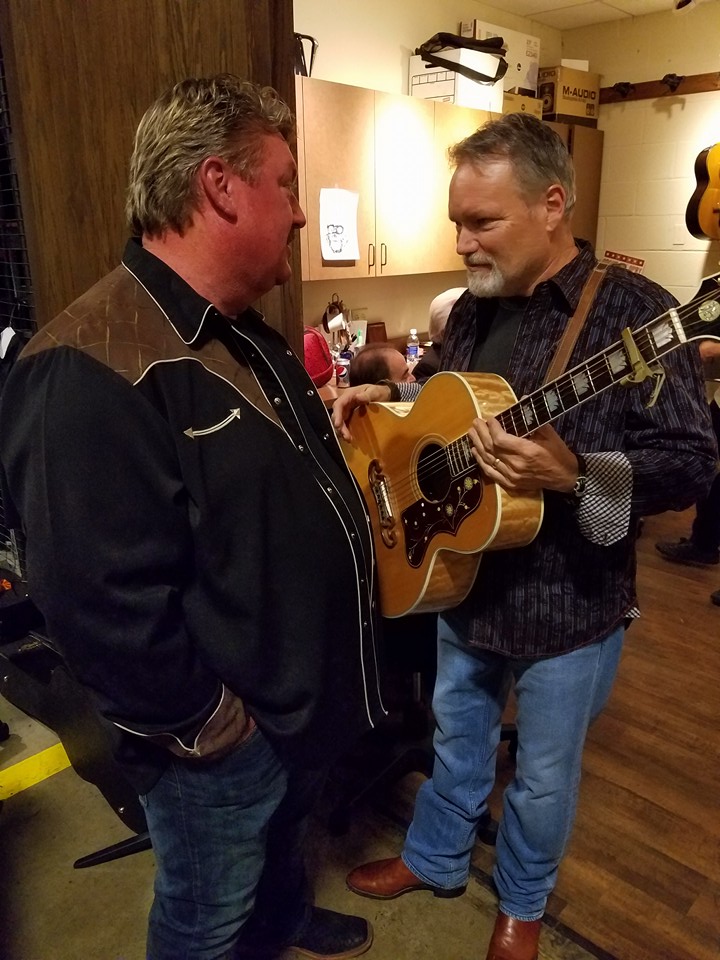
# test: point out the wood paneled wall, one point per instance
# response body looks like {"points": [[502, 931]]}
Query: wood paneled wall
{"points": [[79, 77]]}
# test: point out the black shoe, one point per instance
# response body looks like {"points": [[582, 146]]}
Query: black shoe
{"points": [[326, 936], [715, 598], [685, 551], [333, 936]]}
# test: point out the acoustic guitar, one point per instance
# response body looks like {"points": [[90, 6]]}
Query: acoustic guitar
{"points": [[702, 216], [433, 512]]}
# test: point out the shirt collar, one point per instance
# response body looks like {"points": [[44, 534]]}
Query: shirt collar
{"points": [[570, 279], [185, 309]]}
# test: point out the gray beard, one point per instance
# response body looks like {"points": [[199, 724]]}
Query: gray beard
{"points": [[486, 285]]}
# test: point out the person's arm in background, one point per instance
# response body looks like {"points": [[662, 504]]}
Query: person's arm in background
{"points": [[710, 356], [353, 397]]}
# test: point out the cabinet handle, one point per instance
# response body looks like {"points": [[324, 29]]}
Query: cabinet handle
{"points": [[383, 254], [371, 255]]}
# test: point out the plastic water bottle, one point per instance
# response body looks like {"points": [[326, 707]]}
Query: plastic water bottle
{"points": [[412, 350]]}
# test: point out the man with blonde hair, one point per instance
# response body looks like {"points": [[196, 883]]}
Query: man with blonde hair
{"points": [[173, 468]]}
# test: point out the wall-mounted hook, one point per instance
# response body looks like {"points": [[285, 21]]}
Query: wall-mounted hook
{"points": [[672, 80], [623, 87]]}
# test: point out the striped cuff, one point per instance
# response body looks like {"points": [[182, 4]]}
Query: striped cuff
{"points": [[409, 391]]}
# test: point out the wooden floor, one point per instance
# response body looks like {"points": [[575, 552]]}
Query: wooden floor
{"points": [[641, 880]]}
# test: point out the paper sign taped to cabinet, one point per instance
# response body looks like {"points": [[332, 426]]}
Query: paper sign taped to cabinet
{"points": [[338, 224]]}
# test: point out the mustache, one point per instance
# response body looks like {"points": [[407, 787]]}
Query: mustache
{"points": [[477, 260]]}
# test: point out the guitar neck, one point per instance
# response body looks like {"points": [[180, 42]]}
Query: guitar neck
{"points": [[615, 363]]}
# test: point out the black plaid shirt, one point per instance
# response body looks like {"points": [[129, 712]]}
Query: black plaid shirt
{"points": [[576, 581]]}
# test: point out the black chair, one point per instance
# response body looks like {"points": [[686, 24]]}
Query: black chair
{"points": [[34, 678]]}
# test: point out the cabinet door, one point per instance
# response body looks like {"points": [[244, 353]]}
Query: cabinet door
{"points": [[302, 177], [452, 124], [585, 145], [339, 152], [405, 185]]}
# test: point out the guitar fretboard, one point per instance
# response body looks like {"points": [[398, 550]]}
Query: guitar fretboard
{"points": [[587, 379], [699, 319]]}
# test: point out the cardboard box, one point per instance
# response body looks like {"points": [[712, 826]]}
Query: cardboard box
{"points": [[569, 96], [436, 83], [575, 64], [523, 54], [516, 103]]}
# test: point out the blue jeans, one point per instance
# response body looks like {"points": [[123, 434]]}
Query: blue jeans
{"points": [[557, 699], [227, 838]]}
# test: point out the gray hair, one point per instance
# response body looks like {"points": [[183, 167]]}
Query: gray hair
{"points": [[222, 116], [538, 155], [440, 308]]}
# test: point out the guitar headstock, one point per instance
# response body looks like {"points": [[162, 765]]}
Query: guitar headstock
{"points": [[700, 318]]}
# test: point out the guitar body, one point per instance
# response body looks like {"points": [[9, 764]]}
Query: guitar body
{"points": [[431, 508], [702, 216]]}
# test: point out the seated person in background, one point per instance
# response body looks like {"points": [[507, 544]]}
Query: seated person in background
{"points": [[440, 309], [376, 362]]}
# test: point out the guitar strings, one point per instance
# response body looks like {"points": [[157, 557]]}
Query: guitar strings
{"points": [[642, 339], [437, 463]]}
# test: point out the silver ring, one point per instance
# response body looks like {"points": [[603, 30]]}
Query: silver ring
{"points": [[497, 461]]}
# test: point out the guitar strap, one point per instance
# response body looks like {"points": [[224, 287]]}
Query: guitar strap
{"points": [[575, 324]]}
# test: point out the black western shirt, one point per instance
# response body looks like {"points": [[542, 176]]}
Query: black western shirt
{"points": [[190, 520], [576, 581]]}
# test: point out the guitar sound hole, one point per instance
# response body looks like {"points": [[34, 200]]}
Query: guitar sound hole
{"points": [[433, 474]]}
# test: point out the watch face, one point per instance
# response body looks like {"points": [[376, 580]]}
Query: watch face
{"points": [[579, 488]]}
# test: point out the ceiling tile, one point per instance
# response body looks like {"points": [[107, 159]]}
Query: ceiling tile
{"points": [[580, 15], [531, 8], [638, 8], [568, 14]]}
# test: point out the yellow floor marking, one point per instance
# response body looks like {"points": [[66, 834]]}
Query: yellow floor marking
{"points": [[26, 773]]}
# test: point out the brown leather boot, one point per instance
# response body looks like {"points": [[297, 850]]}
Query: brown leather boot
{"points": [[514, 939], [387, 879]]}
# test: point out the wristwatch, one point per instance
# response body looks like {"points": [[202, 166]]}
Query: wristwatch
{"points": [[578, 490], [393, 387]]}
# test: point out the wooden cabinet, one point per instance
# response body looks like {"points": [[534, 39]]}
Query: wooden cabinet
{"points": [[391, 150], [452, 124], [405, 185], [585, 145], [336, 148]]}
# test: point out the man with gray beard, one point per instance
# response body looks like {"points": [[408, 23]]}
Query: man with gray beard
{"points": [[549, 616]]}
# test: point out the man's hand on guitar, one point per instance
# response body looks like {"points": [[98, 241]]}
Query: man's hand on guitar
{"points": [[353, 397], [541, 461]]}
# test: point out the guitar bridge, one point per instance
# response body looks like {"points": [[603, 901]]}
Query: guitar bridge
{"points": [[379, 486]]}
